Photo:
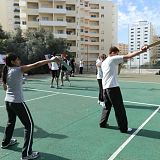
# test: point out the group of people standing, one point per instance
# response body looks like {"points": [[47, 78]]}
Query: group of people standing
{"points": [[59, 70], [12, 79]]}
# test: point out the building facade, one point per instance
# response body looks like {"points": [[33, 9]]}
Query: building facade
{"points": [[89, 26], [10, 15], [140, 33]]}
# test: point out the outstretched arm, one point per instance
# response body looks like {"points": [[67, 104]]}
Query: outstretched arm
{"points": [[28, 67], [131, 55]]}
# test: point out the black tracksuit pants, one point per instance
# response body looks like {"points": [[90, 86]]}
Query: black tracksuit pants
{"points": [[113, 97], [100, 97], [21, 110]]}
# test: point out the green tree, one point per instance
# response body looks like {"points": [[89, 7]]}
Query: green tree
{"points": [[3, 37]]}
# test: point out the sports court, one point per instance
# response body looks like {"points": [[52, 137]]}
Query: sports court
{"points": [[66, 120]]}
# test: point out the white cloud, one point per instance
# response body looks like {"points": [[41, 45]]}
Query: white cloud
{"points": [[134, 14]]}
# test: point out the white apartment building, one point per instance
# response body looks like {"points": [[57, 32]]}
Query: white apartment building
{"points": [[89, 26], [140, 33], [9, 14]]}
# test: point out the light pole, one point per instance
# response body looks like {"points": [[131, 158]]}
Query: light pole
{"points": [[87, 58]]}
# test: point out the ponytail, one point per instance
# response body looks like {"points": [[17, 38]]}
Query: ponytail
{"points": [[9, 58], [4, 74]]}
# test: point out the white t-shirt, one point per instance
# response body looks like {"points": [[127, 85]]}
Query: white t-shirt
{"points": [[81, 64], [99, 69], [110, 71], [54, 65]]}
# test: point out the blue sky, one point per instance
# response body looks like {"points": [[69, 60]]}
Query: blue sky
{"points": [[131, 11]]}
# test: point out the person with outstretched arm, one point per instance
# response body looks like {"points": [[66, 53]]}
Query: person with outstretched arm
{"points": [[111, 89]]}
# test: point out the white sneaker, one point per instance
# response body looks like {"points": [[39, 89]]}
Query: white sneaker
{"points": [[34, 155], [102, 104], [98, 102], [11, 143], [129, 130]]}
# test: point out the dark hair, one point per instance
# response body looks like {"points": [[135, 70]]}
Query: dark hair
{"points": [[8, 60], [113, 49], [102, 56]]}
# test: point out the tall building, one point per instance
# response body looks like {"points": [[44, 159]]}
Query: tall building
{"points": [[9, 14], [155, 51], [123, 48], [89, 26], [140, 33]]}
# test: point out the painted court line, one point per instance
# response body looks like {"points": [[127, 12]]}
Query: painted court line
{"points": [[78, 95], [140, 82], [37, 98], [114, 155]]}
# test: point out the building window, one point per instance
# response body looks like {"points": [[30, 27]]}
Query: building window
{"points": [[24, 22], [16, 4], [102, 7], [16, 16], [45, 18], [59, 6], [59, 19], [102, 15], [60, 32], [16, 10], [16, 22]]}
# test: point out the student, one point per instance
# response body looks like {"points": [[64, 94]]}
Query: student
{"points": [[99, 61], [64, 73], [55, 72], [112, 92], [12, 76], [81, 63], [72, 64]]}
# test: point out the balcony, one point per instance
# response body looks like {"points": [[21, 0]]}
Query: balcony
{"points": [[71, 37], [22, 3], [73, 49], [56, 35], [32, 11], [32, 24], [71, 25], [71, 1], [23, 15], [53, 23], [52, 10], [71, 12]]}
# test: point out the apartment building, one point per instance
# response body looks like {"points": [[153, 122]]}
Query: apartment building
{"points": [[140, 33], [89, 26], [155, 51], [123, 48], [9, 14]]}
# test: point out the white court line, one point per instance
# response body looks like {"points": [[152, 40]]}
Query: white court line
{"points": [[78, 95], [114, 155], [36, 98], [140, 82]]}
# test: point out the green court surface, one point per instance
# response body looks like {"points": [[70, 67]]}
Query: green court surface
{"points": [[66, 120]]}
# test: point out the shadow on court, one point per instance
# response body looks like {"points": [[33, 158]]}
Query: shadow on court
{"points": [[43, 156], [38, 133], [72, 87], [142, 133], [141, 107]]}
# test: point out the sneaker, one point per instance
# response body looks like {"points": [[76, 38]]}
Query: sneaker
{"points": [[52, 86], [129, 130], [59, 87], [11, 143], [34, 155], [102, 104], [98, 102]]}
